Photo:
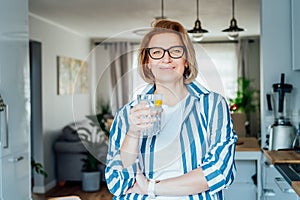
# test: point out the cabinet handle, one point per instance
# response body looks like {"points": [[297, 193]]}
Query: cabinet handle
{"points": [[269, 192], [6, 122], [4, 107], [16, 159], [283, 185]]}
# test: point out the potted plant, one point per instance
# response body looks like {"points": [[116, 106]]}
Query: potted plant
{"points": [[90, 173], [242, 105], [90, 168]]}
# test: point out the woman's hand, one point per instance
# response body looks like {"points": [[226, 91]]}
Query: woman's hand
{"points": [[140, 186], [140, 118]]}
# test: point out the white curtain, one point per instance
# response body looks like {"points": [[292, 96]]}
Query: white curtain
{"points": [[121, 58], [243, 58]]}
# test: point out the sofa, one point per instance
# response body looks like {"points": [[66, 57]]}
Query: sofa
{"points": [[70, 149]]}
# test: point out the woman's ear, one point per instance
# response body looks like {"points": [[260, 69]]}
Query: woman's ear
{"points": [[186, 64]]}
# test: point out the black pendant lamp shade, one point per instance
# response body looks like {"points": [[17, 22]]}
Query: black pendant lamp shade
{"points": [[233, 30], [197, 32]]}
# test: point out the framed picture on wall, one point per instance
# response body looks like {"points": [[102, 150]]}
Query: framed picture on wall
{"points": [[72, 76]]}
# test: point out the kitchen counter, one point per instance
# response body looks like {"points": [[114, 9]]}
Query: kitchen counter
{"points": [[247, 144], [287, 164]]}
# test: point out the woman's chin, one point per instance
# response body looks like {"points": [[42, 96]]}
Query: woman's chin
{"points": [[168, 79]]}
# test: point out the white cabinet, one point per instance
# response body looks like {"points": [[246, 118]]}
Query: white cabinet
{"points": [[15, 173], [274, 185], [295, 15], [243, 183], [248, 169], [14, 89]]}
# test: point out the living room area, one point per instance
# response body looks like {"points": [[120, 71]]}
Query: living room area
{"points": [[68, 125]]}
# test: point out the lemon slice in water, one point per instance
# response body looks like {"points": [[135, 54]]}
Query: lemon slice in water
{"points": [[158, 102]]}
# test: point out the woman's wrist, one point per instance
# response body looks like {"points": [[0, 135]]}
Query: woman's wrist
{"points": [[151, 188], [133, 133]]}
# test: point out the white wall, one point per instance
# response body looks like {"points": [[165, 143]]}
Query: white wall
{"points": [[276, 54], [57, 111]]}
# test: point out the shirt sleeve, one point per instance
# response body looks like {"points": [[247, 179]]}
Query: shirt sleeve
{"points": [[218, 165], [119, 179]]}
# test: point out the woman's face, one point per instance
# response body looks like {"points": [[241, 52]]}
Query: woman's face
{"points": [[167, 69]]}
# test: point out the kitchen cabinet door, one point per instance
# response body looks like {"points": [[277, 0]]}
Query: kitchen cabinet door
{"points": [[14, 90], [14, 175], [243, 183]]}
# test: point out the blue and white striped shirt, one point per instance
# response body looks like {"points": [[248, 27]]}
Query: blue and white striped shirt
{"points": [[207, 140]]}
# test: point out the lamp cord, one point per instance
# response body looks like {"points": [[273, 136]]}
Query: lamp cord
{"points": [[162, 9], [232, 8], [197, 9]]}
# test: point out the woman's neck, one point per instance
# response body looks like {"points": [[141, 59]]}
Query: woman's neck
{"points": [[172, 93]]}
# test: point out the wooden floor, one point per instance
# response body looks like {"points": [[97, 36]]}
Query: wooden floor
{"points": [[74, 188]]}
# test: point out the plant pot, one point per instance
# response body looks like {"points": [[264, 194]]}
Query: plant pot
{"points": [[90, 181], [239, 123]]}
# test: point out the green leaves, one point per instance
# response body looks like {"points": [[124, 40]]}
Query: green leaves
{"points": [[91, 163], [38, 168], [244, 101]]}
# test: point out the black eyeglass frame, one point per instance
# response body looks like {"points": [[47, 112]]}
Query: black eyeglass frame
{"points": [[149, 49]]}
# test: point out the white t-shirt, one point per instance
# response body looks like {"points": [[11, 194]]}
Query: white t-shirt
{"points": [[167, 159]]}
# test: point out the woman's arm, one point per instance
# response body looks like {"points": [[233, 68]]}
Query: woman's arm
{"points": [[137, 122], [191, 183]]}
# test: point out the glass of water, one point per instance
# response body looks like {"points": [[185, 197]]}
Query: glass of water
{"points": [[155, 103]]}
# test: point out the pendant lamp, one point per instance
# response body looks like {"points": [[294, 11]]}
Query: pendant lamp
{"points": [[233, 30], [197, 32]]}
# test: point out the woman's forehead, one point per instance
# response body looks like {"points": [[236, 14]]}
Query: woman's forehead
{"points": [[165, 40]]}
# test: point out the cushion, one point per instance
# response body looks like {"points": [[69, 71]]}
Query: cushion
{"points": [[70, 131]]}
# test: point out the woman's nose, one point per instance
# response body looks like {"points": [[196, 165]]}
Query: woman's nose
{"points": [[167, 57]]}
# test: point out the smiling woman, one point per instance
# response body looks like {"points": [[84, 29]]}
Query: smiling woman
{"points": [[141, 166]]}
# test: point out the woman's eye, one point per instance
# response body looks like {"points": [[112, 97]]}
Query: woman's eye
{"points": [[176, 51], [156, 52]]}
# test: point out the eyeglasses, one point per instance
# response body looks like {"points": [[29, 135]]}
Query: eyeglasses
{"points": [[157, 53]]}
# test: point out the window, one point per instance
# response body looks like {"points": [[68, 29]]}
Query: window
{"points": [[218, 67]]}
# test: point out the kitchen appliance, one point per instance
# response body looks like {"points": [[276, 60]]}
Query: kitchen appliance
{"points": [[281, 132]]}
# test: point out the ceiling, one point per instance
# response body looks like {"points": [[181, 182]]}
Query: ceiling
{"points": [[119, 18]]}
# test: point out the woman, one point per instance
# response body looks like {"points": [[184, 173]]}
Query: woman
{"points": [[193, 155]]}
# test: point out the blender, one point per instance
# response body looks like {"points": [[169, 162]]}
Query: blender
{"points": [[281, 132]]}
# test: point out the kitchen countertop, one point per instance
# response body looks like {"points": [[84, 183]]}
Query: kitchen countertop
{"points": [[280, 157], [247, 144]]}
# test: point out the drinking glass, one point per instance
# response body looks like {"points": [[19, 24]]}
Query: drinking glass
{"points": [[155, 103]]}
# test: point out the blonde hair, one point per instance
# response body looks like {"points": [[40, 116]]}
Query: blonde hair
{"points": [[167, 26]]}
